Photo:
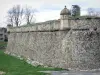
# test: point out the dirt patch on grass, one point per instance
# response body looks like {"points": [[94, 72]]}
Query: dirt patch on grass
{"points": [[1, 72]]}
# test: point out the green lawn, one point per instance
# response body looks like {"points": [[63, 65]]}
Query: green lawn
{"points": [[14, 66]]}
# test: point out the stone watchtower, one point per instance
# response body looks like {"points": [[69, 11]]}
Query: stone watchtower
{"points": [[65, 13]]}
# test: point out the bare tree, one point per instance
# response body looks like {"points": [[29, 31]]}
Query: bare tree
{"points": [[90, 11], [93, 12], [29, 15], [10, 18], [15, 15]]}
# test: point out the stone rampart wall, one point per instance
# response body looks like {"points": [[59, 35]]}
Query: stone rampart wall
{"points": [[65, 49], [55, 25], [50, 25], [76, 48], [84, 23]]}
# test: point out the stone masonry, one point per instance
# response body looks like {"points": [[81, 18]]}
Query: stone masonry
{"points": [[70, 42]]}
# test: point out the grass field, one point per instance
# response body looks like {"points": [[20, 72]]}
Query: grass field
{"points": [[13, 66]]}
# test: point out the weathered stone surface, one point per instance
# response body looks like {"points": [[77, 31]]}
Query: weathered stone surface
{"points": [[72, 72], [65, 49], [75, 46]]}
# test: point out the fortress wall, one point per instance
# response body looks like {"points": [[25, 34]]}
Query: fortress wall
{"points": [[65, 49], [55, 25], [76, 49], [50, 25], [84, 23], [85, 50], [44, 47]]}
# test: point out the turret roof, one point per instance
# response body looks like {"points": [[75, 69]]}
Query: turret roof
{"points": [[65, 11]]}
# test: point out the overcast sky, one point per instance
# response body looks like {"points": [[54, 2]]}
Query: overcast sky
{"points": [[46, 9]]}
